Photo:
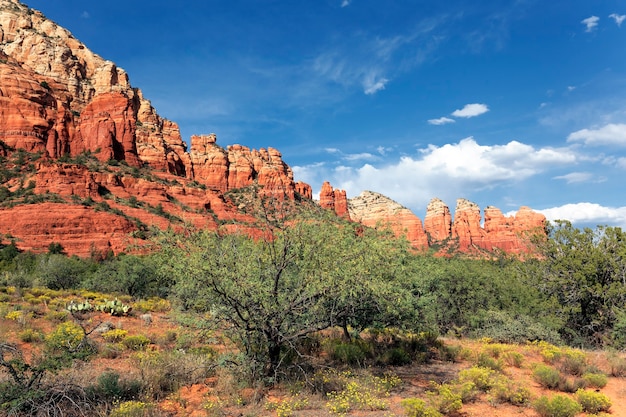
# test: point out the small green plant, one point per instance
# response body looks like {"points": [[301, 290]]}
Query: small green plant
{"points": [[481, 377], [485, 360], [136, 342], [132, 409], [593, 402], [618, 365], [507, 391], [513, 358], [595, 380], [114, 335], [31, 335], [67, 336], [447, 400], [416, 407], [557, 406], [547, 376]]}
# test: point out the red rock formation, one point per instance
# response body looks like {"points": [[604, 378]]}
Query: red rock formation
{"points": [[466, 226], [335, 200], [79, 229], [304, 190], [376, 210], [438, 221], [107, 129]]}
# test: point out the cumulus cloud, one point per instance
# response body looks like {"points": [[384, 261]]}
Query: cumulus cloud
{"points": [[587, 213], [619, 18], [448, 171], [345, 3], [440, 121], [471, 110], [590, 23], [610, 134]]}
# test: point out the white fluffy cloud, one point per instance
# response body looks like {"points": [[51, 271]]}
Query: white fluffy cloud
{"points": [[471, 110], [590, 23], [611, 134], [619, 18], [447, 171], [441, 121], [587, 213], [345, 3]]}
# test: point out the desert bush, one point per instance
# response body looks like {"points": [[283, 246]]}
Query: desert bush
{"points": [[349, 353], [513, 358], [557, 406], [574, 362], [593, 402], [483, 378], [618, 365], [571, 384], [396, 357], [30, 335], [595, 380], [547, 376], [485, 360], [416, 407], [115, 335], [153, 304], [505, 390], [165, 372], [447, 400], [66, 336], [135, 342], [110, 388]]}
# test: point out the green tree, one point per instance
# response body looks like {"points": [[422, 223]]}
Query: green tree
{"points": [[584, 271], [300, 277]]}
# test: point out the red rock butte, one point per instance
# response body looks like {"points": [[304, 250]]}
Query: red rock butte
{"points": [[62, 102]]}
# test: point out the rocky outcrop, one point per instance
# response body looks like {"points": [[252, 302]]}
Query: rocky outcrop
{"points": [[440, 231], [375, 210], [335, 200], [438, 221]]}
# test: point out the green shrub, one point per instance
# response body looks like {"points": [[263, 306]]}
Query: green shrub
{"points": [[447, 400], [512, 358], [557, 406], [484, 360], [571, 384], [415, 407], [574, 362], [593, 402], [349, 353], [481, 377], [31, 335], [67, 336], [114, 335], [618, 365], [136, 342], [505, 390], [595, 380], [547, 376], [396, 357]]}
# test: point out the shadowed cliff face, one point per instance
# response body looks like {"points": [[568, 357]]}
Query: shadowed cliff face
{"points": [[103, 167]]}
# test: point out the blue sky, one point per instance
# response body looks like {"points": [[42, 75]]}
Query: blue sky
{"points": [[505, 103]]}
